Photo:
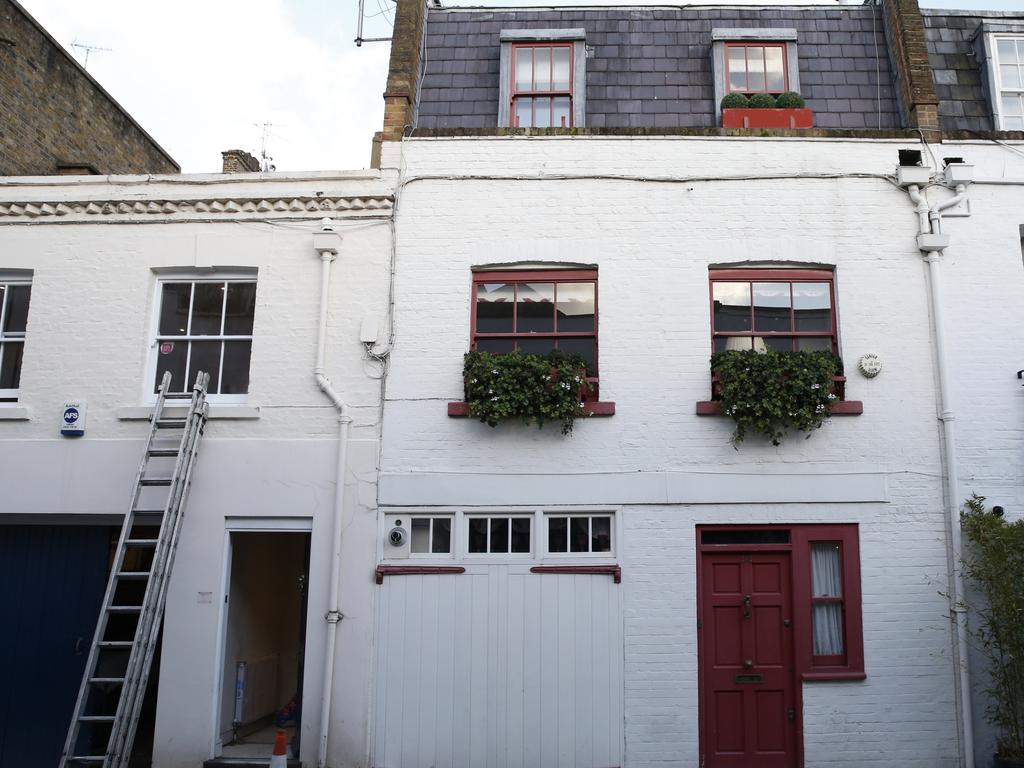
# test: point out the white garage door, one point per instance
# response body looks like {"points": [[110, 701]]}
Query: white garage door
{"points": [[499, 668]]}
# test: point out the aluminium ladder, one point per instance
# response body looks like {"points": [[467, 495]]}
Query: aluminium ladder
{"points": [[110, 698]]}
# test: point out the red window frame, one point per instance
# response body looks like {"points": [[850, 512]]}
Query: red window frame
{"points": [[746, 61], [534, 93], [849, 665], [790, 276], [556, 276]]}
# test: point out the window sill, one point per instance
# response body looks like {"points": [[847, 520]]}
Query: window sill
{"points": [[414, 570], [614, 571], [844, 675], [460, 410], [842, 408], [15, 413], [145, 412]]}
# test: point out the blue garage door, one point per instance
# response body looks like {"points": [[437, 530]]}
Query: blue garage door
{"points": [[52, 579]]}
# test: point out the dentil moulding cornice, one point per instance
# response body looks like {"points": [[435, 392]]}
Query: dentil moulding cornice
{"points": [[254, 208]]}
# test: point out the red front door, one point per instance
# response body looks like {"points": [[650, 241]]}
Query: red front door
{"points": [[748, 704]]}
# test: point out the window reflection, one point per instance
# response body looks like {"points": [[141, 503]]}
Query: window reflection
{"points": [[772, 314], [771, 307], [731, 306], [575, 307], [495, 304], [812, 307], [535, 307]]}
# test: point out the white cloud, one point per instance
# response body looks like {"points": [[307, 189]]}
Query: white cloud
{"points": [[198, 76]]}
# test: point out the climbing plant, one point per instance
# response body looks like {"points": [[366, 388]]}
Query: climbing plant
{"points": [[993, 562], [532, 388], [770, 393]]}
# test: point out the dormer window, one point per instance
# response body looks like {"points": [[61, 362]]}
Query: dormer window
{"points": [[542, 85], [749, 60], [543, 78], [756, 68], [1010, 79]]}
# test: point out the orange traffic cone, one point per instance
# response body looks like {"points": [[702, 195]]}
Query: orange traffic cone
{"points": [[279, 757]]}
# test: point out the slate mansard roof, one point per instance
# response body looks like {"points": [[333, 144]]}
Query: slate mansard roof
{"points": [[652, 67], [957, 59]]}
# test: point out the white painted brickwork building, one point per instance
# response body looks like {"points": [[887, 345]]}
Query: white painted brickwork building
{"points": [[640, 592], [251, 581], [653, 216]]}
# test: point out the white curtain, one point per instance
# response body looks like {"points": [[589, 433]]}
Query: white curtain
{"points": [[827, 581]]}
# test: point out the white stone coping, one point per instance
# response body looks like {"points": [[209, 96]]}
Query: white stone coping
{"points": [[748, 33], [15, 413], [145, 412], [543, 35]]}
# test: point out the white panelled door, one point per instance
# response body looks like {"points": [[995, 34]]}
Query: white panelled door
{"points": [[498, 668]]}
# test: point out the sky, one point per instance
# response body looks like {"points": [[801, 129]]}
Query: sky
{"points": [[202, 76]]}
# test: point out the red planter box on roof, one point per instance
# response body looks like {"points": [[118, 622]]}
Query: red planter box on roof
{"points": [[767, 118]]}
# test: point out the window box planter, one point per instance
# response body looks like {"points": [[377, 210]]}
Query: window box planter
{"points": [[840, 407], [534, 389], [772, 393], [736, 117]]}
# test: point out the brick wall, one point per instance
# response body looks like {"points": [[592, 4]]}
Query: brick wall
{"points": [[89, 338], [53, 114], [652, 243]]}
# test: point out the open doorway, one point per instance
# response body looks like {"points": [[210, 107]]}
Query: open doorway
{"points": [[264, 643]]}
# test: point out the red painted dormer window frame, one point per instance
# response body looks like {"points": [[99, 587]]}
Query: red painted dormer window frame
{"points": [[534, 92], [747, 46], [522, 277]]}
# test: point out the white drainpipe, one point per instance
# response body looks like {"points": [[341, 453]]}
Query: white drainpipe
{"points": [[930, 223], [327, 242]]}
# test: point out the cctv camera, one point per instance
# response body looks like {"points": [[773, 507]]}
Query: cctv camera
{"points": [[998, 511], [397, 536]]}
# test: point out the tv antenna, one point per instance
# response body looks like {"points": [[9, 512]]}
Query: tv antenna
{"points": [[383, 11], [266, 161], [88, 49]]}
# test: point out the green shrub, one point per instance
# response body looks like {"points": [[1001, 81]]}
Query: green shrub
{"points": [[771, 392], [993, 561], [533, 388], [735, 101], [762, 101], [790, 100]]}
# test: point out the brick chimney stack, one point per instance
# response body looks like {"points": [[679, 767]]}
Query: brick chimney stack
{"points": [[403, 73], [904, 31], [239, 161]]}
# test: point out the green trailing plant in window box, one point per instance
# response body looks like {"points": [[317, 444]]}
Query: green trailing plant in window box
{"points": [[771, 393], [993, 562], [533, 388]]}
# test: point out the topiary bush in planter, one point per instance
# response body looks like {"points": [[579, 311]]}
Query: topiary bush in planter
{"points": [[762, 101], [790, 100], [771, 393], [532, 388], [993, 562], [735, 101]]}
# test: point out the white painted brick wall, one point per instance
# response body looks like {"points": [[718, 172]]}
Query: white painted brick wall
{"points": [[653, 243], [88, 338]]}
